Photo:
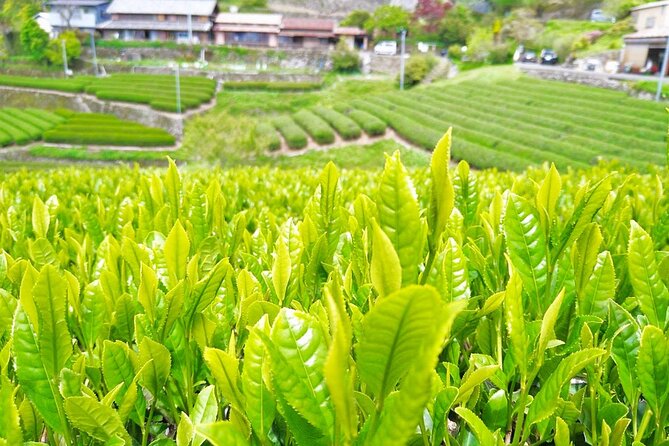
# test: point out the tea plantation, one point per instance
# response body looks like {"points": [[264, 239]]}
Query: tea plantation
{"points": [[507, 123], [157, 91], [20, 127], [259, 306]]}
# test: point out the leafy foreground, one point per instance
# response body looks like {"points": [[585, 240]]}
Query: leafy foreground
{"points": [[258, 306]]}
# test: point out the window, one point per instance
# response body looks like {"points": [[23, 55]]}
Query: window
{"points": [[650, 22]]}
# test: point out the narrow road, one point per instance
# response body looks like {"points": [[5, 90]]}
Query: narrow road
{"points": [[532, 67]]}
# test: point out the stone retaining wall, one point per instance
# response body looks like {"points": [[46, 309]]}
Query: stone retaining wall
{"points": [[88, 104]]}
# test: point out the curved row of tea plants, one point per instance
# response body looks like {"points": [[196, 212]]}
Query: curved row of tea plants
{"points": [[528, 121], [21, 126], [100, 129], [267, 307]]}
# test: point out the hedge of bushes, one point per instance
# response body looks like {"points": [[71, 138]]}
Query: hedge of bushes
{"points": [[75, 85], [21, 126], [562, 129], [268, 136], [295, 137], [316, 127], [107, 130], [372, 125], [427, 137], [272, 86], [345, 126], [157, 91]]}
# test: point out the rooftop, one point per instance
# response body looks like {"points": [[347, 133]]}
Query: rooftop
{"points": [[77, 2], [321, 25], [236, 18], [649, 34], [173, 7], [152, 25], [651, 5]]}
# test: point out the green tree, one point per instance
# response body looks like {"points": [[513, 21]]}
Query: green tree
{"points": [[14, 13], [457, 25], [357, 18], [54, 52], [4, 54], [34, 40], [387, 19]]}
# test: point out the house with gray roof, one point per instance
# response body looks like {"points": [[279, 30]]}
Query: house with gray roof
{"points": [[160, 20], [83, 15]]}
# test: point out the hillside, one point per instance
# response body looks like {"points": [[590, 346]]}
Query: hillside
{"points": [[336, 8]]}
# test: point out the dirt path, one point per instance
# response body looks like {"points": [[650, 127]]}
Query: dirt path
{"points": [[339, 142]]}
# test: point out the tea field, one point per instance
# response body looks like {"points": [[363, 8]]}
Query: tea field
{"points": [[259, 306], [18, 126], [157, 91]]}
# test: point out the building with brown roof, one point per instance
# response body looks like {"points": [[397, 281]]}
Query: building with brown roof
{"points": [[160, 20], [242, 29]]}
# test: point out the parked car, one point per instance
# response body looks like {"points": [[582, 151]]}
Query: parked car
{"points": [[528, 57], [548, 57], [598, 15], [386, 48]]}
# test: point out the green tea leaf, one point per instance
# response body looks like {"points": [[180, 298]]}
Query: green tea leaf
{"points": [[96, 419], [545, 401], [222, 433], [653, 367], [442, 197], [526, 245], [599, 288], [177, 247], [40, 218], [399, 216], [477, 426], [298, 351], [393, 333], [385, 268], [651, 292], [225, 369], [157, 361], [281, 269]]}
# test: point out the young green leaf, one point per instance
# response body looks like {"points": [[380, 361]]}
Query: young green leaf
{"points": [[442, 197], [599, 288], [96, 419], [651, 292], [653, 367], [158, 363], [281, 269], [177, 247], [526, 245], [385, 268], [399, 216], [225, 369]]}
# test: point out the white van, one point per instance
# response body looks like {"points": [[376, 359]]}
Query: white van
{"points": [[386, 48]]}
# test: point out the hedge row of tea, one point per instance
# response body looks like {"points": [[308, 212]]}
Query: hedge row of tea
{"points": [[21, 126], [157, 91], [514, 124], [100, 129], [321, 124], [255, 306]]}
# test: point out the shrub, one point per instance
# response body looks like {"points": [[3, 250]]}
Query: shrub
{"points": [[344, 59], [417, 68], [117, 138], [295, 137], [316, 127], [455, 51], [345, 126], [70, 85]]}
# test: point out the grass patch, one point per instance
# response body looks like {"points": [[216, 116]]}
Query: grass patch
{"points": [[349, 157], [83, 154]]}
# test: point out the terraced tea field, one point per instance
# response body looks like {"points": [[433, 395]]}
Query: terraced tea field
{"points": [[157, 91], [21, 126], [508, 124]]}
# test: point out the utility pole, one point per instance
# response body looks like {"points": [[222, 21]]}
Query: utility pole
{"points": [[65, 67], [190, 28], [95, 56], [665, 60], [402, 51], [178, 87]]}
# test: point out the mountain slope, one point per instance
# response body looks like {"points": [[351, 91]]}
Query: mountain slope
{"points": [[335, 8]]}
